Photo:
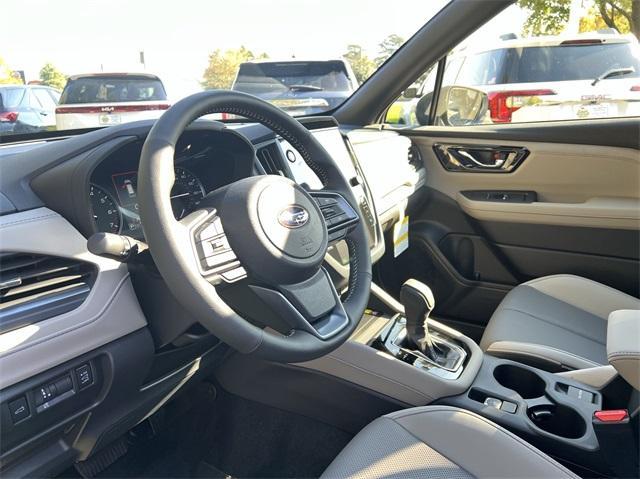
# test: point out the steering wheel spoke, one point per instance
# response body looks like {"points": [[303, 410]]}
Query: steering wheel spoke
{"points": [[312, 306], [338, 214], [217, 262]]}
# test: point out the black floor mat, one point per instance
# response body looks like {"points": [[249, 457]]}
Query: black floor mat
{"points": [[253, 440], [227, 436]]}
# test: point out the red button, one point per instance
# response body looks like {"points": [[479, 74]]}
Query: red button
{"points": [[614, 415]]}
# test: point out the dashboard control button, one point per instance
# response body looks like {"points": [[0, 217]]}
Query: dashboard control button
{"points": [[493, 402], [43, 394], [19, 409], [84, 376], [64, 384], [509, 407]]}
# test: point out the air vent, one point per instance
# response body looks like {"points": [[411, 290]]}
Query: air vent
{"points": [[36, 287], [270, 159]]}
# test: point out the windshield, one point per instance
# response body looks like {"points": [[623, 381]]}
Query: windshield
{"points": [[122, 61]]}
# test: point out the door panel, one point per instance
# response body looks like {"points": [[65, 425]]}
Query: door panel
{"points": [[567, 208]]}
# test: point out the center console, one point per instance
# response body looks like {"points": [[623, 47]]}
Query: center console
{"points": [[551, 412], [418, 361]]}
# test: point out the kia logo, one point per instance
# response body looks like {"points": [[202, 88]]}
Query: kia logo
{"points": [[293, 216]]}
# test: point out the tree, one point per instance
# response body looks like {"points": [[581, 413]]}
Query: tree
{"points": [[223, 67], [387, 47], [624, 15], [7, 76], [51, 76], [361, 64], [546, 17], [550, 16]]}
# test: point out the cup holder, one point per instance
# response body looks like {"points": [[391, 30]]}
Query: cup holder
{"points": [[523, 381], [559, 420]]}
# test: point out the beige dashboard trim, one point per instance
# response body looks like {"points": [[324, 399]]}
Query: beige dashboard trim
{"points": [[111, 310]]}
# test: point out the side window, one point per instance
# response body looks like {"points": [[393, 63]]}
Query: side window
{"points": [[32, 100], [45, 99], [497, 76], [55, 95]]}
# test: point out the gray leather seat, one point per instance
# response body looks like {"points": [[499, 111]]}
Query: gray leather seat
{"points": [[556, 322], [440, 442]]}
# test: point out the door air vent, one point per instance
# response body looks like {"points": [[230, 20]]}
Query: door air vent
{"points": [[35, 287], [270, 159]]}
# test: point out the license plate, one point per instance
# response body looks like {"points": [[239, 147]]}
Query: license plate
{"points": [[106, 119], [598, 110]]}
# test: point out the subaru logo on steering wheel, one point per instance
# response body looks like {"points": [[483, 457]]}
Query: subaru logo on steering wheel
{"points": [[293, 216]]}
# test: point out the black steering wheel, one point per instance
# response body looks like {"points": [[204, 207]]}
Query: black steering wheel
{"points": [[265, 229]]}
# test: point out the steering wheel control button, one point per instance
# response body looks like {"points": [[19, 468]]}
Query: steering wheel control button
{"points": [[84, 376], [324, 201], [234, 274], [19, 409], [338, 214], [220, 259], [211, 229]]}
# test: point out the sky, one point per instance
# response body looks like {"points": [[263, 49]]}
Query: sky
{"points": [[83, 36]]}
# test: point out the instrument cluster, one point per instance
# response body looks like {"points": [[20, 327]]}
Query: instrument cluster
{"points": [[204, 162]]}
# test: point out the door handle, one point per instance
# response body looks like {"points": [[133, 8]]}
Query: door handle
{"points": [[480, 159]]}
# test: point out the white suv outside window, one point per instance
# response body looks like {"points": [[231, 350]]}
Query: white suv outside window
{"points": [[550, 78]]}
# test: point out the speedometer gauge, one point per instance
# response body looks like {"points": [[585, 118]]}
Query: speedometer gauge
{"points": [[186, 194], [105, 211]]}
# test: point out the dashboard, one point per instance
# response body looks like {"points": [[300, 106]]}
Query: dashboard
{"points": [[207, 160], [113, 331]]}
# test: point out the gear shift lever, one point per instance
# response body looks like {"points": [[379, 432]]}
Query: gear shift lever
{"points": [[418, 302]]}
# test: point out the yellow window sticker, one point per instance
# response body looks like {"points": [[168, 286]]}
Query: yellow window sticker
{"points": [[400, 236]]}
